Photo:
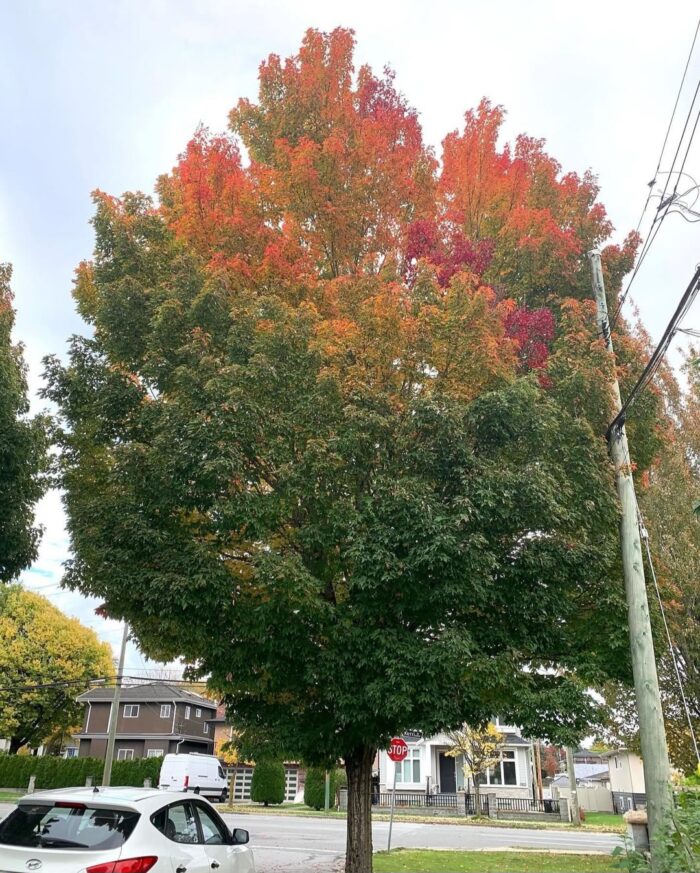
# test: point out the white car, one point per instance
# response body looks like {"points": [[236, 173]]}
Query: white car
{"points": [[119, 830]]}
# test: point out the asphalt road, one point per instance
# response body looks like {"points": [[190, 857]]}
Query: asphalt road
{"points": [[292, 844], [287, 843]]}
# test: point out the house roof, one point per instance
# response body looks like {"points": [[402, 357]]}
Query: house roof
{"points": [[151, 691], [584, 773], [514, 740]]}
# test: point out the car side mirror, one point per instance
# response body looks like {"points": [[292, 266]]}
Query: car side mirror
{"points": [[239, 836]]}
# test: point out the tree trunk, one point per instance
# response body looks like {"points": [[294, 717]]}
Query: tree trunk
{"points": [[15, 745], [358, 766]]}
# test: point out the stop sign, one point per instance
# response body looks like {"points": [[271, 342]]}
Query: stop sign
{"points": [[398, 749]]}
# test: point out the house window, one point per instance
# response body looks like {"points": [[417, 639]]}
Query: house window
{"points": [[502, 773], [206, 727], [165, 710], [154, 753], [125, 755], [408, 770], [131, 710], [198, 713], [71, 752], [187, 712]]}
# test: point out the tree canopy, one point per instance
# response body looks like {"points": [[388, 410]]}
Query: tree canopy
{"points": [[23, 444], [336, 436], [46, 661]]}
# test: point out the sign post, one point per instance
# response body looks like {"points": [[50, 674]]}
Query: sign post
{"points": [[397, 752]]}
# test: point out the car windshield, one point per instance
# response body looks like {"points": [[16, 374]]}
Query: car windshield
{"points": [[67, 826]]}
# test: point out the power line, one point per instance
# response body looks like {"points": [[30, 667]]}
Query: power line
{"points": [[101, 680], [656, 358], [665, 204], [644, 536], [670, 124]]}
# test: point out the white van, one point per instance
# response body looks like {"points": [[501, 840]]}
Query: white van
{"points": [[201, 774]]}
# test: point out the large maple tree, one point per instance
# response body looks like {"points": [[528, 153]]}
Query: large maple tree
{"points": [[336, 436], [23, 444]]}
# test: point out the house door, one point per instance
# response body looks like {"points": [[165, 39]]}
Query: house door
{"points": [[448, 778]]}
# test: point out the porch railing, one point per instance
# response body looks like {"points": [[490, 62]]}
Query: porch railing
{"points": [[415, 800]]}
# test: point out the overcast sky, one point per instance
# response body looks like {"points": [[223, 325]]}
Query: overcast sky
{"points": [[106, 94]]}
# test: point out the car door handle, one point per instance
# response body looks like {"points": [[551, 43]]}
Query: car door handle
{"points": [[181, 869], [215, 865]]}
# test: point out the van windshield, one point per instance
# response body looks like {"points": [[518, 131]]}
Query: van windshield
{"points": [[67, 826]]}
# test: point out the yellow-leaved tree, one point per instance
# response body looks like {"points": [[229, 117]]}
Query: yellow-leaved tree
{"points": [[479, 749], [46, 660]]}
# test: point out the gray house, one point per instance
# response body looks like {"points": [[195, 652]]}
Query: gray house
{"points": [[154, 719]]}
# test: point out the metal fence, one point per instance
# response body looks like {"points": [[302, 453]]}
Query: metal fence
{"points": [[526, 804], [470, 805], [414, 800]]}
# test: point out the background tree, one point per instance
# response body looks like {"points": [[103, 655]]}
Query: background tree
{"points": [[550, 761], [40, 646], [23, 444], [268, 782], [336, 436], [668, 493], [479, 749], [315, 785]]}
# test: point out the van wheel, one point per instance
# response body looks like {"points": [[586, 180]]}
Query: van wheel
{"points": [[224, 795]]}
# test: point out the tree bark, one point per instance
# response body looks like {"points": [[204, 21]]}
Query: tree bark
{"points": [[358, 766]]}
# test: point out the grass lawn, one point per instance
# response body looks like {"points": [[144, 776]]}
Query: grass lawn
{"points": [[431, 861], [609, 819], [8, 796]]}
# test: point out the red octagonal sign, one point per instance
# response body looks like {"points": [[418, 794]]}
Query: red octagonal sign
{"points": [[398, 749]]}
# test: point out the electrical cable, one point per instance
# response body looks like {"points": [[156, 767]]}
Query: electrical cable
{"points": [[670, 124], [658, 354], [644, 536], [664, 204]]}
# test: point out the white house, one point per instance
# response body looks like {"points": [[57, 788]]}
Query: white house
{"points": [[428, 767], [626, 779]]}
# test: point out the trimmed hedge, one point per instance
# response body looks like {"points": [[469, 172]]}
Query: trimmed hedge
{"points": [[267, 785], [51, 772], [315, 786]]}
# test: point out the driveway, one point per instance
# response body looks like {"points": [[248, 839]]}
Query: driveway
{"points": [[298, 844]]}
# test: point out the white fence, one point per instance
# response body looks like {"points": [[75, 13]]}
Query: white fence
{"points": [[596, 799]]}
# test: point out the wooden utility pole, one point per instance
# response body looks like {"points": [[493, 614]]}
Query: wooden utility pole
{"points": [[646, 683], [114, 712], [573, 792], [538, 771]]}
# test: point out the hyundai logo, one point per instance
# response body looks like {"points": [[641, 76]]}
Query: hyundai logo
{"points": [[34, 864]]}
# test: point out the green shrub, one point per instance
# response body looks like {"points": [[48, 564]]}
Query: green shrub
{"points": [[268, 782], [315, 786], [51, 772]]}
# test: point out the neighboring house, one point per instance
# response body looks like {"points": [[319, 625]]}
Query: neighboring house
{"points": [[429, 768], [588, 756], [626, 780], [154, 719], [587, 775]]}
